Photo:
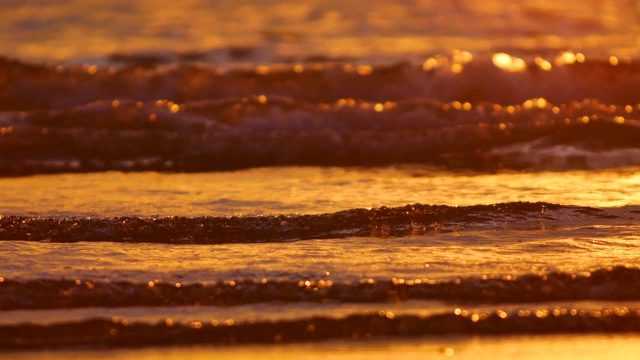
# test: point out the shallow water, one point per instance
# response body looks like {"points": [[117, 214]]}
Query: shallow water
{"points": [[72, 29], [493, 252], [417, 263], [304, 190]]}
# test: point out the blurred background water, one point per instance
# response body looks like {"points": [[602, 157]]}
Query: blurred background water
{"points": [[276, 30]]}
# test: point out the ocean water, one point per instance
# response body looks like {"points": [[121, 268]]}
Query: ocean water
{"points": [[319, 179]]}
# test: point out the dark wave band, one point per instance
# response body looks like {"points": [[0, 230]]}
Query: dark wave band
{"points": [[114, 333], [35, 86], [603, 284], [414, 219]]}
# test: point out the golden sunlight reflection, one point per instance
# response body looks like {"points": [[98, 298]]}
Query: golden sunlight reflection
{"points": [[543, 64], [364, 69], [539, 103], [263, 70], [91, 70], [462, 56], [509, 63], [309, 189], [569, 58], [430, 64], [613, 60], [529, 347]]}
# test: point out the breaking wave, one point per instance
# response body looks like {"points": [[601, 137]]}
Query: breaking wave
{"points": [[416, 219], [190, 116]]}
